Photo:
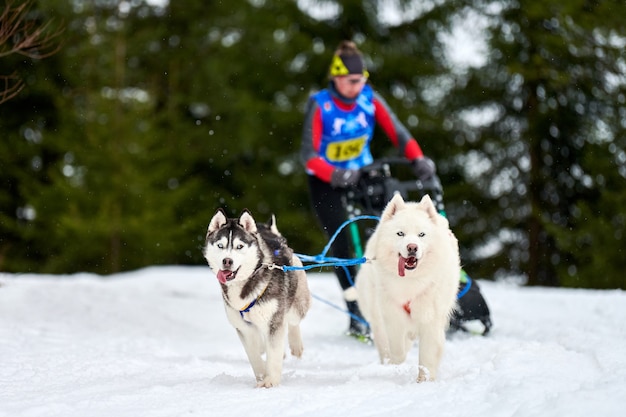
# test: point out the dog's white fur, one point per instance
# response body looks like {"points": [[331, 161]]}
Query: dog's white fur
{"points": [[402, 300]]}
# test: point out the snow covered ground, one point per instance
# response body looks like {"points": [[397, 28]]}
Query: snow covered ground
{"points": [[155, 342]]}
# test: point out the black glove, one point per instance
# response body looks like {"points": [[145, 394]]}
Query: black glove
{"points": [[423, 168], [344, 178]]}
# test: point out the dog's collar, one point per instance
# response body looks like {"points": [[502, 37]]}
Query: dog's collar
{"points": [[251, 304]]}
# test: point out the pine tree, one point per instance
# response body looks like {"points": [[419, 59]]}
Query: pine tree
{"points": [[552, 80], [28, 107]]}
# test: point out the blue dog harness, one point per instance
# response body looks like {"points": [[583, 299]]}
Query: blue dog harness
{"points": [[246, 308]]}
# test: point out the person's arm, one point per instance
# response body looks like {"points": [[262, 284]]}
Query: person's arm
{"points": [[395, 131], [311, 141], [423, 167]]}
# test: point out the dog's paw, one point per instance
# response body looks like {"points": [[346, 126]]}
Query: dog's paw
{"points": [[424, 375], [297, 351], [268, 382]]}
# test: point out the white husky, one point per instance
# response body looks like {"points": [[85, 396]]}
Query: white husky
{"points": [[408, 288]]}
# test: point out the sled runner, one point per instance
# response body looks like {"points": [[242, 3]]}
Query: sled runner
{"points": [[375, 189]]}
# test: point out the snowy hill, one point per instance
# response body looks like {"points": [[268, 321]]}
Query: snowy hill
{"points": [[155, 342]]}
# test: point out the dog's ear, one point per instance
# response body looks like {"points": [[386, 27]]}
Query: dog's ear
{"points": [[218, 220], [431, 210], [272, 225], [394, 205], [427, 203], [247, 222]]}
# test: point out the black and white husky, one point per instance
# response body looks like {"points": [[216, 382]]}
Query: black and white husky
{"points": [[262, 302]]}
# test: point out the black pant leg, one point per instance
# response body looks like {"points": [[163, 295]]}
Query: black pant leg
{"points": [[328, 206]]}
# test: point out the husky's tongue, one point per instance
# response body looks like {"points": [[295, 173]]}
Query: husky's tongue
{"points": [[225, 275], [401, 263]]}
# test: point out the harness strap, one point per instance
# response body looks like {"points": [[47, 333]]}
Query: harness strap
{"points": [[321, 262], [246, 308], [340, 228], [466, 288]]}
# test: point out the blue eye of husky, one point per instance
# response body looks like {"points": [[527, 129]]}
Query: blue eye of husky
{"points": [[220, 246], [239, 247], [400, 234]]}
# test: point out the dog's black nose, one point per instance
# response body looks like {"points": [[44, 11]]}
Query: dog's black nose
{"points": [[411, 248], [227, 262]]}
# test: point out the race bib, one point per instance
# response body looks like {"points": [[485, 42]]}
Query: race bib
{"points": [[345, 150]]}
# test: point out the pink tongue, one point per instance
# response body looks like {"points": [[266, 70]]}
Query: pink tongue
{"points": [[401, 262], [223, 275]]}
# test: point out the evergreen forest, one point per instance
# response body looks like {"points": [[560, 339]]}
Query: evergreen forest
{"points": [[125, 124]]}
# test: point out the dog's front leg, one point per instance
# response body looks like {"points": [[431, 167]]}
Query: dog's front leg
{"points": [[431, 343], [275, 354], [396, 322], [252, 343], [295, 340], [381, 338]]}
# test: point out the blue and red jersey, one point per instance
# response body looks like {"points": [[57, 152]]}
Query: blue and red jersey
{"points": [[337, 134]]}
